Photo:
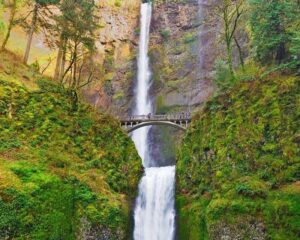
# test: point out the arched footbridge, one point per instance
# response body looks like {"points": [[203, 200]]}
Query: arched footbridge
{"points": [[178, 120]]}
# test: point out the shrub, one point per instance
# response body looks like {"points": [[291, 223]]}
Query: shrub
{"points": [[165, 33]]}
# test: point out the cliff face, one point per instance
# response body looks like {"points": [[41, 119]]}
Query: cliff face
{"points": [[116, 52], [182, 51], [182, 58]]}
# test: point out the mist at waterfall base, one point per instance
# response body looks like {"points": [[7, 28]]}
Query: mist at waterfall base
{"points": [[154, 214]]}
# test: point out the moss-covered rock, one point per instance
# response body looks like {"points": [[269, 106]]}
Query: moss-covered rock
{"points": [[65, 173], [239, 164]]}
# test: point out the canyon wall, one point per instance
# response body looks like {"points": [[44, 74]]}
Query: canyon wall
{"points": [[183, 49], [182, 59], [116, 54]]}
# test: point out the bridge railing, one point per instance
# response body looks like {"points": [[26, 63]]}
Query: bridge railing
{"points": [[167, 117]]}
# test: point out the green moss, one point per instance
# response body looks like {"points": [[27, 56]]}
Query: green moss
{"points": [[59, 165], [242, 150], [191, 221], [165, 33], [189, 38]]}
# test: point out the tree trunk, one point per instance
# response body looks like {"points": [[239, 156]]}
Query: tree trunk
{"points": [[228, 38], [57, 72], [229, 55], [229, 60], [240, 53], [63, 61], [10, 24], [74, 67], [281, 53], [30, 33]]}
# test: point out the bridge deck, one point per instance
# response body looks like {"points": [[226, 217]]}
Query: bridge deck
{"points": [[146, 118], [180, 121]]}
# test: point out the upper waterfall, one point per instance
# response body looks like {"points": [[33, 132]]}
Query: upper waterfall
{"points": [[142, 99]]}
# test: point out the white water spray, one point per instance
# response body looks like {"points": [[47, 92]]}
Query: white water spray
{"points": [[154, 215], [154, 212]]}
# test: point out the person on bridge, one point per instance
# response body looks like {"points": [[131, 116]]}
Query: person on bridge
{"points": [[149, 116], [181, 116]]}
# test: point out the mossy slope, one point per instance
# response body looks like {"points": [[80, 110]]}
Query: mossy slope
{"points": [[65, 172], [239, 165]]}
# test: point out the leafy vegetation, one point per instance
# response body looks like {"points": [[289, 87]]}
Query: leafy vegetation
{"points": [[67, 25], [240, 162], [271, 27], [274, 34], [63, 170], [239, 166]]}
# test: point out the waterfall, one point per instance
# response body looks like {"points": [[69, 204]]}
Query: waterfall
{"points": [[154, 214], [142, 98]]}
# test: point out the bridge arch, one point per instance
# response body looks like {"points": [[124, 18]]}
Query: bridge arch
{"points": [[150, 123]]}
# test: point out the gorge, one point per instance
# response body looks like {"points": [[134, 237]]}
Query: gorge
{"points": [[228, 69]]}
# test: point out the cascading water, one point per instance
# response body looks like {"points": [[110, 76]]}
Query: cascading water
{"points": [[154, 215], [142, 100]]}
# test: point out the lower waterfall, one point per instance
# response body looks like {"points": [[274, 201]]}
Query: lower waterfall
{"points": [[154, 213]]}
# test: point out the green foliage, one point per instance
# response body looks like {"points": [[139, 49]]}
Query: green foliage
{"points": [[223, 78], [59, 166], [241, 156], [118, 3], [77, 23], [47, 2], [2, 27], [251, 188], [273, 35], [165, 33], [189, 38]]}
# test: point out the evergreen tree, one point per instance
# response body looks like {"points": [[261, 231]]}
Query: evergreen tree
{"points": [[270, 22], [41, 13], [76, 28]]}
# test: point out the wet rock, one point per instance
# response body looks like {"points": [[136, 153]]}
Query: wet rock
{"points": [[89, 232], [181, 66], [243, 229]]}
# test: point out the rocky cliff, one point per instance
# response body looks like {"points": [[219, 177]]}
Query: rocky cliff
{"points": [[182, 59], [116, 54], [183, 50]]}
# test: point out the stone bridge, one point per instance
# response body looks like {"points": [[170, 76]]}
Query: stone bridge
{"points": [[177, 120]]}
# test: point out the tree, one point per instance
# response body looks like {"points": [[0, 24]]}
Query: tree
{"points": [[230, 12], [77, 25], [41, 14], [270, 20], [12, 6], [75, 30]]}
